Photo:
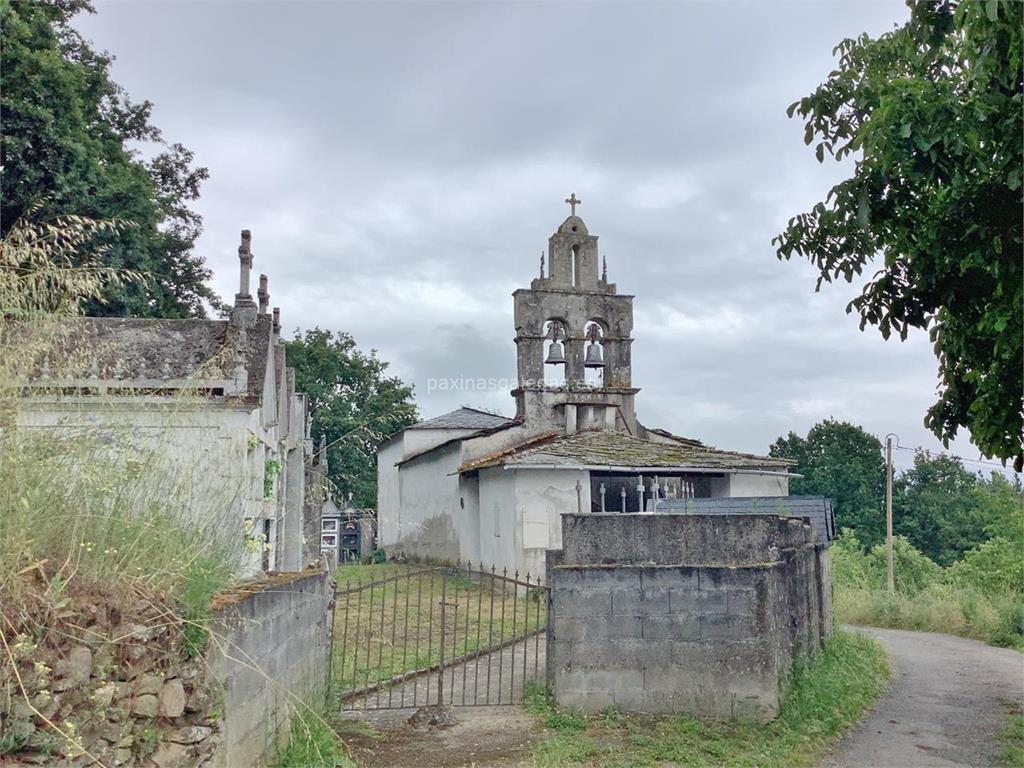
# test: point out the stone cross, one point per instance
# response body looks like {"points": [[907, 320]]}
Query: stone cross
{"points": [[573, 202]]}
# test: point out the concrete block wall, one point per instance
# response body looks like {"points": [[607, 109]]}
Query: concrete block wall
{"points": [[270, 646], [667, 538], [714, 637]]}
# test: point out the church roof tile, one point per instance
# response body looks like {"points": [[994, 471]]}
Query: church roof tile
{"points": [[464, 418], [601, 449]]}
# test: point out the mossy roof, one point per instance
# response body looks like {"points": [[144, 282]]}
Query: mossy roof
{"points": [[601, 448], [131, 350]]}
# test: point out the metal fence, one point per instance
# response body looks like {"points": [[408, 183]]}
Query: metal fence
{"points": [[447, 634]]}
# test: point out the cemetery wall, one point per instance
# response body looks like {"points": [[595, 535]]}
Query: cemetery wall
{"points": [[269, 650], [702, 614]]}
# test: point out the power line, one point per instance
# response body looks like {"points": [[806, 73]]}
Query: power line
{"points": [[951, 455]]}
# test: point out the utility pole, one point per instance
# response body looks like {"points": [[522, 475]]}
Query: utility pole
{"points": [[889, 574]]}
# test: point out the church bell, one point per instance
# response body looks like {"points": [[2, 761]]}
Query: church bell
{"points": [[593, 359], [555, 354]]}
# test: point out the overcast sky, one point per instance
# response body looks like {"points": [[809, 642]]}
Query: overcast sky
{"points": [[401, 166]]}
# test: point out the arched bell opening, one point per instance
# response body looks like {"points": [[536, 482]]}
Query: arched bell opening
{"points": [[555, 361], [576, 266], [594, 357]]}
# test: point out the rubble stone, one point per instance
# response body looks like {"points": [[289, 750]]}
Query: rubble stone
{"points": [[145, 706], [172, 699]]}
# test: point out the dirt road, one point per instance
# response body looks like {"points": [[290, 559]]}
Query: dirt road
{"points": [[944, 707]]}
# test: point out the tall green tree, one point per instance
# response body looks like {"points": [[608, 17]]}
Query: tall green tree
{"points": [[72, 144], [354, 404], [932, 113], [1001, 501], [845, 463], [936, 505]]}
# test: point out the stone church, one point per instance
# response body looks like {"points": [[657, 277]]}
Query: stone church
{"points": [[473, 485]]}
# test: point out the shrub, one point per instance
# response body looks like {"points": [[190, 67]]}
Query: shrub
{"points": [[850, 565], [913, 571], [979, 596], [995, 567], [852, 568], [1009, 631]]}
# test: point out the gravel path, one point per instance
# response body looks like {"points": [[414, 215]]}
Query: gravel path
{"points": [[944, 707]]}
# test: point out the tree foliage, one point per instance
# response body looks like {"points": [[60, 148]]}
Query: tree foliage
{"points": [[942, 509], [354, 404], [845, 463], [72, 144], [936, 506], [932, 111]]}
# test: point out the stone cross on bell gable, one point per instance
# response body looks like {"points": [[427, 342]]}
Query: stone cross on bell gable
{"points": [[573, 202]]}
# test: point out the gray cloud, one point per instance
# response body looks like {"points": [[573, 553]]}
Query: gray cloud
{"points": [[402, 165]]}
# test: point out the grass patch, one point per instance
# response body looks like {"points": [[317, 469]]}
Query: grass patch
{"points": [[388, 619], [312, 743], [961, 611], [1012, 737], [826, 696]]}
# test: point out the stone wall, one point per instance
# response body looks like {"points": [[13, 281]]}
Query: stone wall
{"points": [[270, 647], [701, 614]]}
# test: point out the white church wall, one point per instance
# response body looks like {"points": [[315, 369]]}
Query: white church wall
{"points": [[416, 440], [428, 503], [469, 527], [542, 497], [498, 542], [758, 485], [478, 447], [388, 498]]}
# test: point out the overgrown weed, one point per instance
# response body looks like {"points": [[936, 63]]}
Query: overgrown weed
{"points": [[98, 523], [312, 742], [1012, 737], [966, 599]]}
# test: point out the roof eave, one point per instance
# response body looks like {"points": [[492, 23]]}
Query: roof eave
{"points": [[637, 470]]}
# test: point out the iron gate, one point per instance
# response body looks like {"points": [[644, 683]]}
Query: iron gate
{"points": [[409, 636]]}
